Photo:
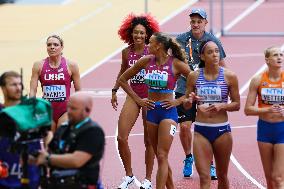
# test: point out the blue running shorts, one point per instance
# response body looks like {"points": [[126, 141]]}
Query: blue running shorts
{"points": [[159, 113], [270, 132], [212, 131]]}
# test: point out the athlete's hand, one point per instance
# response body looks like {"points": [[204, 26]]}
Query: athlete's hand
{"points": [[169, 103], [276, 108], [216, 107], [187, 102], [113, 101], [147, 103]]}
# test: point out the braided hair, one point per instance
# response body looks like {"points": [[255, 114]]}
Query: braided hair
{"points": [[170, 43]]}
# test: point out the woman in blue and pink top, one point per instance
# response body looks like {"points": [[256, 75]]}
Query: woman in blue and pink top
{"points": [[163, 67], [136, 31], [210, 86]]}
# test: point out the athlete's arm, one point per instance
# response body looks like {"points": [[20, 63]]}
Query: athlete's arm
{"points": [[34, 78], [75, 75], [250, 108], [233, 86], [190, 85], [123, 68], [129, 73]]}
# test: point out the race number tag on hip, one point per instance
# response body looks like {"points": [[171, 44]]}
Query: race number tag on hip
{"points": [[55, 93], [173, 130]]}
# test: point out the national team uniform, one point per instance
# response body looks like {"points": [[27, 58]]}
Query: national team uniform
{"points": [[56, 84], [212, 92], [191, 46], [137, 82], [14, 167], [161, 79], [270, 93]]}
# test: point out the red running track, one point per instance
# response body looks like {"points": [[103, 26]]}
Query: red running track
{"points": [[244, 57]]}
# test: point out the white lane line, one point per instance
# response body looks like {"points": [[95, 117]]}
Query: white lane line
{"points": [[108, 58], [244, 14], [244, 172], [233, 159], [118, 51], [142, 134], [245, 86], [241, 16], [79, 20], [237, 55], [234, 22]]}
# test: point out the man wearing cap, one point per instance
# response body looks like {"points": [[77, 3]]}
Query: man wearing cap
{"points": [[190, 42]]}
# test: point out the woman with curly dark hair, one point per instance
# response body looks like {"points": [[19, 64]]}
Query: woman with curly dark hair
{"points": [[135, 31]]}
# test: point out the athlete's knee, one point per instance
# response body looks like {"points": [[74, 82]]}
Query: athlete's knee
{"points": [[204, 177], [222, 177], [122, 139], [184, 128], [147, 141], [278, 179], [162, 157]]}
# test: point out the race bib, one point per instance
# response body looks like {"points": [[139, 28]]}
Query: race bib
{"points": [[157, 79], [139, 77], [272, 96], [54, 93], [210, 94]]}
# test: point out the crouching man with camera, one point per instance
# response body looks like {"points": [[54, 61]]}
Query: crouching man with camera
{"points": [[76, 149]]}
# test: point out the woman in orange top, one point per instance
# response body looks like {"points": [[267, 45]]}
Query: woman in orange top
{"points": [[268, 87]]}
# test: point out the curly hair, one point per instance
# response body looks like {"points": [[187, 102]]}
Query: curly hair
{"points": [[132, 20]]}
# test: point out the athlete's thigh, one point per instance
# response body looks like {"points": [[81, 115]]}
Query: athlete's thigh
{"points": [[167, 130], [223, 152], [144, 119], [128, 116], [153, 134], [266, 155], [278, 163], [63, 118], [203, 153]]}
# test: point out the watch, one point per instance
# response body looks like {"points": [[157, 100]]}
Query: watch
{"points": [[114, 90]]}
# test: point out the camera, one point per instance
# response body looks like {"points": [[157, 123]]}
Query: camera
{"points": [[24, 126], [29, 120]]}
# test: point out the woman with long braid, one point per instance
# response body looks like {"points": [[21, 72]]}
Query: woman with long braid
{"points": [[163, 67]]}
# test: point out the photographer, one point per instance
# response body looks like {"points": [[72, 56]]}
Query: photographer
{"points": [[11, 86], [76, 149]]}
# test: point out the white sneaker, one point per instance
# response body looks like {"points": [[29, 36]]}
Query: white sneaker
{"points": [[127, 181], [146, 184]]}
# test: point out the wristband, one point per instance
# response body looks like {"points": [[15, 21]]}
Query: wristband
{"points": [[48, 160], [114, 90]]}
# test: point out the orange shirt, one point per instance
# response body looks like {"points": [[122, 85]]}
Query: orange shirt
{"points": [[270, 92]]}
